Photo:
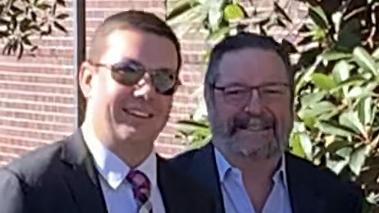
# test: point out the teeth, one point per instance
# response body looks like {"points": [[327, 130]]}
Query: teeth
{"points": [[256, 125], [256, 128], [139, 113]]}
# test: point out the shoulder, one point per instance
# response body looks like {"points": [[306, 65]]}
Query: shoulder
{"points": [[30, 167], [192, 193], [192, 157], [326, 181]]}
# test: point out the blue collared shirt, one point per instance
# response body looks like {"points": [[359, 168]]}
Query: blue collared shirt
{"points": [[112, 170], [236, 199]]}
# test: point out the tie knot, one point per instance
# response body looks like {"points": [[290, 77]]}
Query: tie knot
{"points": [[140, 184]]}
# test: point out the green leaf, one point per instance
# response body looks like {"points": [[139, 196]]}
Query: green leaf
{"points": [[355, 92], [341, 71], [195, 124], [26, 41], [233, 12], [281, 12], [214, 18], [356, 80], [317, 111], [362, 91], [191, 17], [351, 120], [318, 34], [334, 129], [180, 8], [306, 145], [364, 60], [337, 18], [309, 120], [4, 34], [364, 111], [358, 158], [318, 15], [25, 25], [337, 165], [16, 10], [323, 81], [61, 2], [34, 48], [375, 54], [337, 145], [295, 145], [3, 22], [33, 15], [60, 27], [312, 98], [43, 6], [333, 55], [62, 16]]}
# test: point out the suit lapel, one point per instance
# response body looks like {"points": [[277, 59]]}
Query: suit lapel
{"points": [[303, 192], [81, 176], [166, 184], [206, 172]]}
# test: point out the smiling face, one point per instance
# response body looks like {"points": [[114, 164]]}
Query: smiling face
{"points": [[250, 110], [128, 114]]}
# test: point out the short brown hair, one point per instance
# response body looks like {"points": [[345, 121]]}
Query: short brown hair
{"points": [[132, 19]]}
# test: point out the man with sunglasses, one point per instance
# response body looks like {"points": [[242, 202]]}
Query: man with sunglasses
{"points": [[249, 89], [108, 165]]}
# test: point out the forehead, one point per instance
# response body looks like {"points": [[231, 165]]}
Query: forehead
{"points": [[251, 67], [152, 50]]}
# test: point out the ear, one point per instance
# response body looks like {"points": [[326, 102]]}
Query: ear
{"points": [[86, 77]]}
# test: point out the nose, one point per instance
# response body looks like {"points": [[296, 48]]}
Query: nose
{"points": [[144, 87], [254, 106]]}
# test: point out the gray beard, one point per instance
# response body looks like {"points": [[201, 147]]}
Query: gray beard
{"points": [[225, 137], [247, 149]]}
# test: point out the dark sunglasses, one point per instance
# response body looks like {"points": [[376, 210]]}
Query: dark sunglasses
{"points": [[128, 72]]}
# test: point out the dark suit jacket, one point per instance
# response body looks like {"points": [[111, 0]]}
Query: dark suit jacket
{"points": [[61, 178], [311, 189]]}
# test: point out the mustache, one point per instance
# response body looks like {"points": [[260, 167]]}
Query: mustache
{"points": [[244, 120]]}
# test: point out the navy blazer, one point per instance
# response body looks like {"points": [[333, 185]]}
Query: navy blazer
{"points": [[61, 178], [311, 189]]}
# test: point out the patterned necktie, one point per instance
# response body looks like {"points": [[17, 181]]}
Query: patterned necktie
{"points": [[141, 189]]}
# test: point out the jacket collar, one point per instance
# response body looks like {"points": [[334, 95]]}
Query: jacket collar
{"points": [[205, 170], [81, 177]]}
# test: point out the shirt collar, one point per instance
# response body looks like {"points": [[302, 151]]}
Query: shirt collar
{"points": [[223, 166], [111, 168]]}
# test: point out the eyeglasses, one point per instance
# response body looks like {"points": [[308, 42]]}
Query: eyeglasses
{"points": [[241, 95], [128, 72]]}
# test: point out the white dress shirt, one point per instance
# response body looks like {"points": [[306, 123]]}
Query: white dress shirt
{"points": [[235, 197], [112, 170]]}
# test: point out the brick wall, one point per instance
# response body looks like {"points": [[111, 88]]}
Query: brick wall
{"points": [[37, 104], [37, 101]]}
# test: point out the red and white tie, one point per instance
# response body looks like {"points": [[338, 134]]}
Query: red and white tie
{"points": [[141, 189]]}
